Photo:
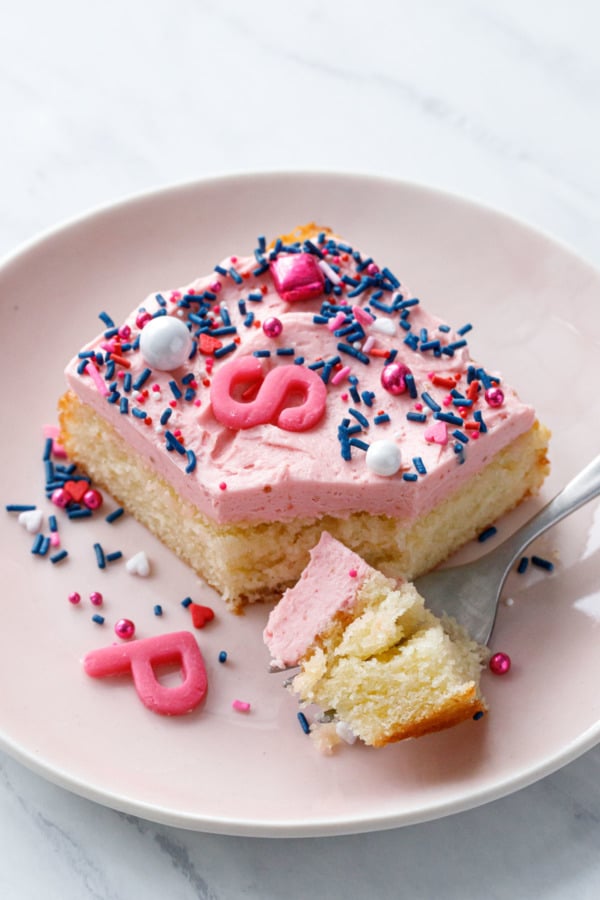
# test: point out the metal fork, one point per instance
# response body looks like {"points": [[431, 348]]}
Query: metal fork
{"points": [[470, 593]]}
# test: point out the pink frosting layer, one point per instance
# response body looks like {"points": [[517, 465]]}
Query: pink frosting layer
{"points": [[266, 473], [328, 585]]}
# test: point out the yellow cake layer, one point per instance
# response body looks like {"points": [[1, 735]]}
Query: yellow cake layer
{"points": [[247, 562]]}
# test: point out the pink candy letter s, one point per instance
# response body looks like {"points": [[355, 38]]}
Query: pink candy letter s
{"points": [[139, 658], [269, 405]]}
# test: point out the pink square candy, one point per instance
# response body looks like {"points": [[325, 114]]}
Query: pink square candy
{"points": [[297, 277]]}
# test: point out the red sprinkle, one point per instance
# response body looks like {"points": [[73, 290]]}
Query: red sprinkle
{"points": [[201, 614]]}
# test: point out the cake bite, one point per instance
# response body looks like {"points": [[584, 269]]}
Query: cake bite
{"points": [[377, 663], [300, 389]]}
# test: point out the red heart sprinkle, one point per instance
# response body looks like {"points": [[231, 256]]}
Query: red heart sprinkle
{"points": [[209, 344], [76, 489], [201, 615]]}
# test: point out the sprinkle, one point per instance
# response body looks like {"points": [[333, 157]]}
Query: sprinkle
{"points": [[542, 563], [449, 418], [58, 557], [416, 417], [419, 465], [187, 601], [381, 419], [100, 557], [478, 715], [94, 374], [241, 706], [341, 374], [141, 379], [303, 723], [431, 403], [79, 513], [113, 557], [98, 619], [226, 348], [191, 458], [223, 656], [460, 436], [20, 507], [352, 573], [115, 514], [409, 476], [523, 565], [175, 390], [487, 534], [104, 317], [352, 351], [359, 417]]}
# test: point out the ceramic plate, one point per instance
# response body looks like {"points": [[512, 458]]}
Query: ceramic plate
{"points": [[533, 305]]}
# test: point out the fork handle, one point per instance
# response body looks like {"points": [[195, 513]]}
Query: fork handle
{"points": [[579, 491]]}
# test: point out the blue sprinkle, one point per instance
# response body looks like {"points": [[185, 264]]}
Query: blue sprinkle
{"points": [[487, 534], [419, 465], [225, 330], [106, 319], [299, 361], [79, 513], [158, 610], [249, 319], [52, 524], [460, 436], [127, 382], [409, 380], [523, 565], [124, 405], [220, 270], [261, 353], [236, 276], [113, 557], [20, 507], [465, 329], [352, 351], [303, 723], [255, 296], [47, 449], [115, 514], [479, 418], [478, 715], [431, 403], [187, 601], [223, 656], [38, 542], [166, 416], [139, 413], [191, 458], [450, 418], [409, 476], [189, 394], [355, 442], [285, 351], [175, 389], [142, 379], [416, 417], [368, 397], [222, 351], [359, 417], [100, 557], [382, 419], [58, 557], [98, 619], [161, 300], [542, 563], [173, 443]]}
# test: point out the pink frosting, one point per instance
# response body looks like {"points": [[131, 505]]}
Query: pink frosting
{"points": [[328, 585], [265, 472]]}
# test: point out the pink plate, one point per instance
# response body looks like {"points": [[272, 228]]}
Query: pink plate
{"points": [[534, 307]]}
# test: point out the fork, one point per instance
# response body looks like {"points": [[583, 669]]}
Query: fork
{"points": [[470, 593]]}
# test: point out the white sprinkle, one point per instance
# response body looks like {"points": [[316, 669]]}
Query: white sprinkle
{"points": [[138, 564]]}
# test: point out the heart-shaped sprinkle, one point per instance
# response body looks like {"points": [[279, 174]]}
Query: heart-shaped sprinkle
{"points": [[201, 614], [76, 489], [31, 520], [437, 433], [138, 564], [208, 344]]}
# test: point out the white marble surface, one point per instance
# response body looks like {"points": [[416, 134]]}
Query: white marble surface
{"points": [[496, 100]]}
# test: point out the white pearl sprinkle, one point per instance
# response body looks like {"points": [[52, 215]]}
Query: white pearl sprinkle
{"points": [[384, 457]]}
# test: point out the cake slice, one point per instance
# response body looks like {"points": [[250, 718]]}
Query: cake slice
{"points": [[371, 655], [302, 388]]}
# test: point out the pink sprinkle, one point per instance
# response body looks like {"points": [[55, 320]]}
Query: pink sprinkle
{"points": [[109, 346], [352, 573], [337, 322], [368, 344], [447, 401], [215, 286], [474, 435], [223, 486], [156, 387], [241, 706], [362, 316], [55, 539], [344, 396], [176, 295], [97, 379], [197, 402], [341, 374], [419, 406], [52, 432]]}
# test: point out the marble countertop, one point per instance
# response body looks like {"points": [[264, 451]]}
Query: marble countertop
{"points": [[496, 100]]}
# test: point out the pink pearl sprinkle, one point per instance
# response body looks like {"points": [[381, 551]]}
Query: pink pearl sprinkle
{"points": [[61, 498], [241, 705], [494, 397], [93, 499], [500, 663], [125, 332], [215, 286], [96, 598], [125, 629], [352, 573], [74, 598], [223, 486], [142, 319], [272, 327]]}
